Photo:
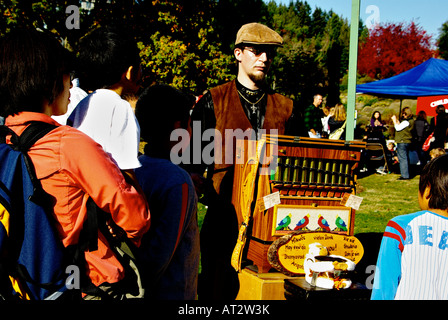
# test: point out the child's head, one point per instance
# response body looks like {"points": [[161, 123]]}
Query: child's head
{"points": [[434, 177], [160, 109], [32, 69], [391, 146], [436, 152], [105, 55]]}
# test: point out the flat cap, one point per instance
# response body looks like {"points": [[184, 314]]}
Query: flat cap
{"points": [[257, 33]]}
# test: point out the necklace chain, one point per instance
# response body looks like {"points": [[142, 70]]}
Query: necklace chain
{"points": [[252, 103]]}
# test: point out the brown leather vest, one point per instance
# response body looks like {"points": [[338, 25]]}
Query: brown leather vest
{"points": [[229, 114]]}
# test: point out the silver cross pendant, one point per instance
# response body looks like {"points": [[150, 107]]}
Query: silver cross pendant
{"points": [[254, 109]]}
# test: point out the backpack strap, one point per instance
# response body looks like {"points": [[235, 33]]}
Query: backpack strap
{"points": [[28, 138], [35, 131], [5, 131]]}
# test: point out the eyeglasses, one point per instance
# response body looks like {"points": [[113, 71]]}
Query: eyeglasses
{"points": [[257, 51]]}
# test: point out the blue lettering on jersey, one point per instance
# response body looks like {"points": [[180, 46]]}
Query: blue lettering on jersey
{"points": [[425, 235], [409, 239], [443, 241]]}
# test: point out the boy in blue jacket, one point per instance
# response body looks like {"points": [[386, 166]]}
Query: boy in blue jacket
{"points": [[169, 253]]}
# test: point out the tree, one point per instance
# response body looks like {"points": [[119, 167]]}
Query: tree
{"points": [[392, 48], [51, 16], [442, 42], [188, 44], [178, 43], [230, 15], [314, 56], [182, 48], [335, 55]]}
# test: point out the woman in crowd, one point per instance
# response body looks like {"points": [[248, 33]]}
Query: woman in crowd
{"points": [[338, 119], [34, 85], [403, 138], [421, 132]]}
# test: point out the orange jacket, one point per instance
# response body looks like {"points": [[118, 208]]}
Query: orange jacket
{"points": [[72, 167]]}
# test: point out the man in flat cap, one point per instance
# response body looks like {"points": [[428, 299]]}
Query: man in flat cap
{"points": [[244, 103]]}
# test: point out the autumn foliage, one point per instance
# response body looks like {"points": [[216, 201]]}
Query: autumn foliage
{"points": [[392, 48]]}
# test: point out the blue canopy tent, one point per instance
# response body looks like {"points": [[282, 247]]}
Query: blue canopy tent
{"points": [[430, 78], [427, 79]]}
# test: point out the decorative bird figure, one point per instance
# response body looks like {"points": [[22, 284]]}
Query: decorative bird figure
{"points": [[342, 226], [323, 223], [301, 225], [282, 225]]}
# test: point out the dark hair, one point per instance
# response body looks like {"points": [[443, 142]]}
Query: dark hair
{"points": [[373, 115], [440, 109], [435, 176], [421, 115], [406, 112], [32, 65], [104, 55], [159, 107]]}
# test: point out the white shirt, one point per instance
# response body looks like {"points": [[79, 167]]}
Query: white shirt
{"points": [[325, 126], [403, 124], [110, 121]]}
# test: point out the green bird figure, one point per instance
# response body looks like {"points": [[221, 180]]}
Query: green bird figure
{"points": [[341, 224], [282, 225]]}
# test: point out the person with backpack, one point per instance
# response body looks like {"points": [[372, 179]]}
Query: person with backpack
{"points": [[420, 133], [71, 167]]}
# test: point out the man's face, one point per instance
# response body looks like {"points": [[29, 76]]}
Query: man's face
{"points": [[255, 61], [318, 100]]}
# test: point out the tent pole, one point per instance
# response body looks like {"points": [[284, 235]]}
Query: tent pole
{"points": [[352, 70]]}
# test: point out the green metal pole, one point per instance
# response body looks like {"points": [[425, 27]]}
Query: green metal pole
{"points": [[352, 70]]}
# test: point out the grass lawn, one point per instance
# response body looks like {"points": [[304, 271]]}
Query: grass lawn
{"points": [[384, 197]]}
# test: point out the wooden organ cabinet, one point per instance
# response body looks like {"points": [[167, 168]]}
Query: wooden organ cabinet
{"points": [[308, 174]]}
